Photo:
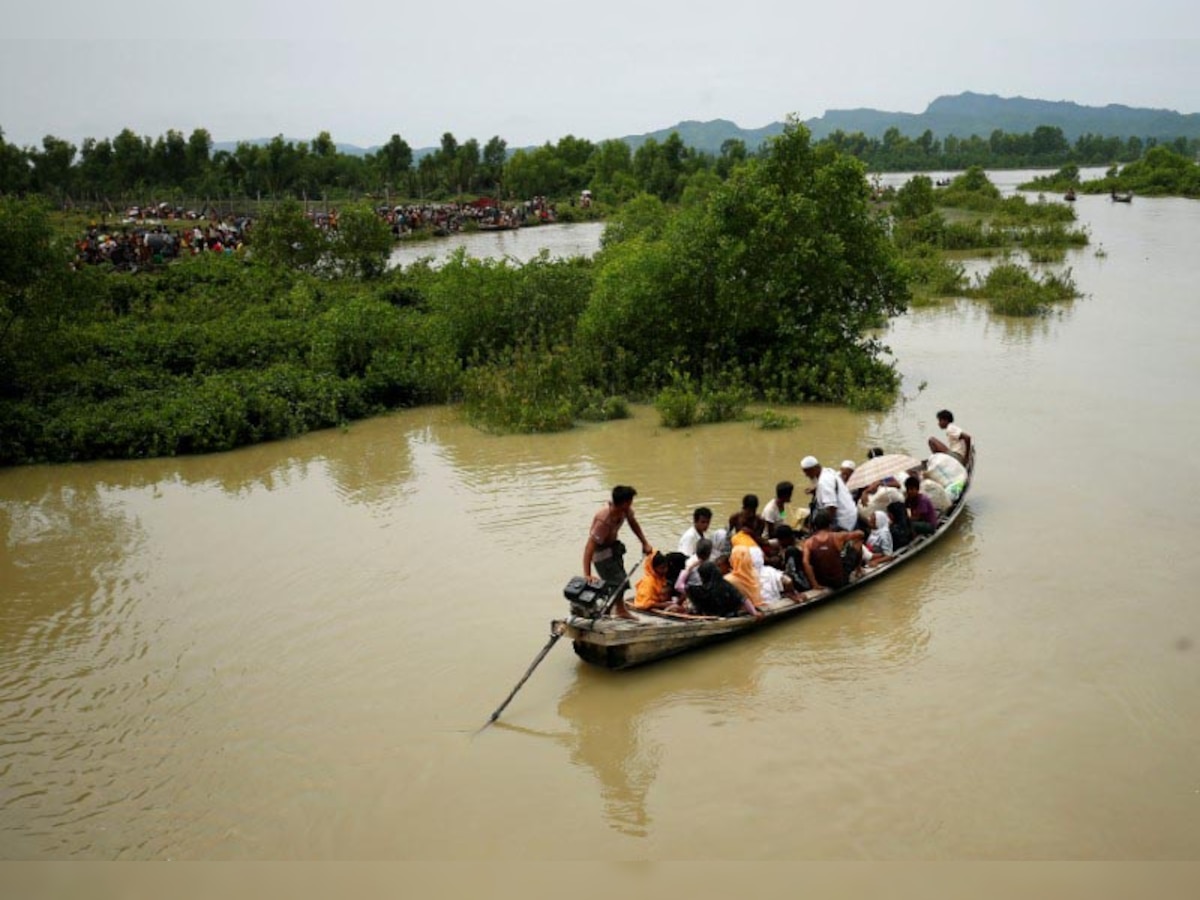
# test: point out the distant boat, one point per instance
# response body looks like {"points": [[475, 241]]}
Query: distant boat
{"points": [[1069, 196], [1127, 197]]}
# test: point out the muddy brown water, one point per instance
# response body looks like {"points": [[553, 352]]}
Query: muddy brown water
{"points": [[283, 652]]}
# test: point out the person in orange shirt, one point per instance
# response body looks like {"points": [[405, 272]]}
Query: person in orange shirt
{"points": [[653, 591], [744, 576]]}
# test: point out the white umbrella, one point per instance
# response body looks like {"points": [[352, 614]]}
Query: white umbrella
{"points": [[881, 467]]}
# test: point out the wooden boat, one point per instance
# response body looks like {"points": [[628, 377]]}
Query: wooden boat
{"points": [[1122, 198], [622, 643], [1069, 196]]}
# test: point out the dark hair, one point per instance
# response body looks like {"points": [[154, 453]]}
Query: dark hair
{"points": [[704, 548], [900, 528], [701, 512], [622, 493], [783, 532], [784, 489], [912, 481], [874, 452], [821, 520], [750, 501], [945, 414], [659, 560]]}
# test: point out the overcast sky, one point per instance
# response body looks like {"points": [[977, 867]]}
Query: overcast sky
{"points": [[536, 70]]}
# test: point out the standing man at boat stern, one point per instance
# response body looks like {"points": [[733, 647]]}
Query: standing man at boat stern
{"points": [[604, 549]]}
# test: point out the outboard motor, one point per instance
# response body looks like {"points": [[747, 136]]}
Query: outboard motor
{"points": [[587, 600]]}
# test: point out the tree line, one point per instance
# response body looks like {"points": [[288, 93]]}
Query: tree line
{"points": [[129, 167], [1045, 146], [132, 167]]}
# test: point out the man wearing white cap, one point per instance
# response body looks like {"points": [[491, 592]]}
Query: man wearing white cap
{"points": [[958, 442], [847, 469], [831, 493]]}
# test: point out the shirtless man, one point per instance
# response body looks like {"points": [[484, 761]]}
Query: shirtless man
{"points": [[608, 553]]}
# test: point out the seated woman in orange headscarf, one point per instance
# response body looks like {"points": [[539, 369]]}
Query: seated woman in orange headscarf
{"points": [[743, 575], [653, 591]]}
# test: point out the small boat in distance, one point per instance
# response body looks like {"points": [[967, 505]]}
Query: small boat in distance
{"points": [[1127, 197], [1069, 196], [623, 643]]}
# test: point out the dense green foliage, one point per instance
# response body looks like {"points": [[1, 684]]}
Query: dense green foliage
{"points": [[970, 215], [359, 247], [1161, 172], [982, 220], [1044, 146], [764, 286], [683, 403], [776, 277], [767, 285]]}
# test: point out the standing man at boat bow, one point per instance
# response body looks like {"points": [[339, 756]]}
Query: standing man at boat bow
{"points": [[606, 551]]}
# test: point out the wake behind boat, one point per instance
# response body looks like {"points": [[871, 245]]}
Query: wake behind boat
{"points": [[616, 643]]}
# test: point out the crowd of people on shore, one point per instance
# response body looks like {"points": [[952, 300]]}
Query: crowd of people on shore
{"points": [[757, 559], [130, 248], [152, 235]]}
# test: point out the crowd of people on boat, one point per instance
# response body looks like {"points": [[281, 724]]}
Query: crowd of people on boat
{"points": [[450, 218], [754, 560]]}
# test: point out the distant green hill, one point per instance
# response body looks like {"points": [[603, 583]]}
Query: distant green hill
{"points": [[709, 136], [963, 115]]}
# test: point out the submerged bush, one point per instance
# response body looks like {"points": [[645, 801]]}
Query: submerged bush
{"points": [[724, 403], [591, 405], [770, 420], [932, 275], [678, 405], [1013, 291], [527, 390]]}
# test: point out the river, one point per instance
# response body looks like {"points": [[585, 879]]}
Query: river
{"points": [[284, 652]]}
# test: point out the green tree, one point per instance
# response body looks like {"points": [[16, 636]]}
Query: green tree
{"points": [[131, 158], [914, 199], [534, 172], [495, 154], [465, 166], [33, 270], [199, 151], [361, 244], [733, 154], [1049, 145], [283, 236], [14, 168], [169, 160], [52, 166], [612, 171], [394, 160], [775, 282], [97, 171]]}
